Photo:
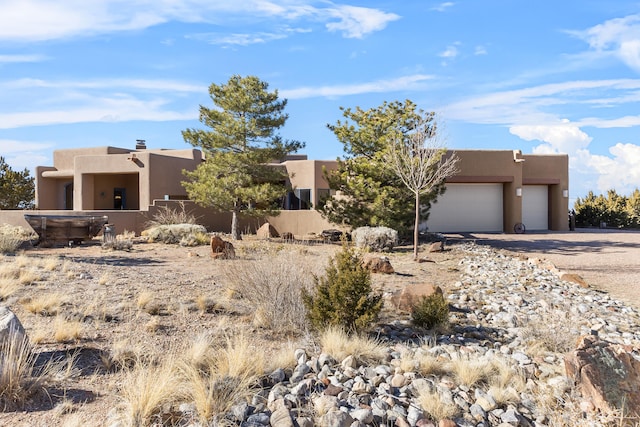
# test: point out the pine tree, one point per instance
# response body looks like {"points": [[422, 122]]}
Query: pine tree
{"points": [[236, 176], [17, 189]]}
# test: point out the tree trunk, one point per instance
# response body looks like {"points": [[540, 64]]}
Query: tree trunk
{"points": [[416, 226], [235, 232]]}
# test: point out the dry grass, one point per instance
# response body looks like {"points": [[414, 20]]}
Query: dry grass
{"points": [[51, 263], [146, 389], [239, 358], [470, 372], [434, 406], [44, 305], [67, 330], [337, 343], [123, 354], [20, 376], [105, 279], [29, 276], [506, 383], [144, 299], [218, 379], [272, 285], [8, 287]]}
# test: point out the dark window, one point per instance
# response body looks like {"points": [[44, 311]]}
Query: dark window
{"points": [[298, 199]]}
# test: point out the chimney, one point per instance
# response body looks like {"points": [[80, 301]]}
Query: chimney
{"points": [[140, 144]]}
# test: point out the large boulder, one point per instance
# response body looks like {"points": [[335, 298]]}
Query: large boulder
{"points": [[377, 264], [221, 249], [267, 231], [10, 326], [607, 375], [411, 294]]}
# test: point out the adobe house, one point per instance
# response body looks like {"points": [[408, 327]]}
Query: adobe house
{"points": [[494, 190]]}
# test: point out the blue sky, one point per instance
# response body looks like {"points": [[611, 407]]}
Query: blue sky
{"points": [[542, 77]]}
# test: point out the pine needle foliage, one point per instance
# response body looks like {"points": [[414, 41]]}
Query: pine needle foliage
{"points": [[343, 296], [430, 311]]}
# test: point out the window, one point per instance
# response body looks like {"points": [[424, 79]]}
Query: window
{"points": [[298, 199]]}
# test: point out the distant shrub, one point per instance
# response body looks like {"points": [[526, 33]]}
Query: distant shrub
{"points": [[195, 239], [166, 215], [430, 311], [343, 296], [12, 237], [173, 233], [377, 239]]}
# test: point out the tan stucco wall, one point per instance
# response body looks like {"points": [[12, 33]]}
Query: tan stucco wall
{"points": [[145, 174], [309, 174]]}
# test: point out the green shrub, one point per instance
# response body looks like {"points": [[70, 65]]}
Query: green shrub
{"points": [[430, 311], [343, 296]]}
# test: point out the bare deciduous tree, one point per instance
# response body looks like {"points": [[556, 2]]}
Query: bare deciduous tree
{"points": [[421, 162]]}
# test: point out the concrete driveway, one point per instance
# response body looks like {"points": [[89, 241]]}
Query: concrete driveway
{"points": [[609, 260]]}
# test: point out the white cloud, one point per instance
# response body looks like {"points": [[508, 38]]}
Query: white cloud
{"points": [[619, 172], [450, 52], [618, 37], [15, 146], [21, 58], [245, 39], [98, 110], [564, 137], [480, 50], [39, 20], [411, 82], [443, 6], [356, 22]]}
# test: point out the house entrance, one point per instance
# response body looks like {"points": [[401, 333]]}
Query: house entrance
{"points": [[68, 196], [119, 198]]}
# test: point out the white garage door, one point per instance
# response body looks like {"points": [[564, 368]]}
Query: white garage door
{"points": [[467, 207], [535, 207]]}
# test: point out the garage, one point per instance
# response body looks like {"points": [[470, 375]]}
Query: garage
{"points": [[535, 207], [468, 208]]}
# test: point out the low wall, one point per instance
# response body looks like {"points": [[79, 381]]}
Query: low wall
{"points": [[297, 222]]}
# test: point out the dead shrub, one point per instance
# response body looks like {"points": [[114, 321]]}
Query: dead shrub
{"points": [[167, 215], [272, 286]]}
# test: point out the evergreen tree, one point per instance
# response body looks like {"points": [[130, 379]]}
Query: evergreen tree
{"points": [[236, 176], [17, 189], [371, 193]]}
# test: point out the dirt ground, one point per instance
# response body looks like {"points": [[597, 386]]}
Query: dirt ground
{"points": [[608, 260]]}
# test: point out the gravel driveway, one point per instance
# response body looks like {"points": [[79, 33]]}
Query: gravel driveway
{"points": [[608, 260]]}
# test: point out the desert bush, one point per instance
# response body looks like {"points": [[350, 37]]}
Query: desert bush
{"points": [[167, 215], [195, 239], [552, 330], [122, 242], [343, 297], [272, 286], [430, 311], [9, 243], [377, 239], [173, 233]]}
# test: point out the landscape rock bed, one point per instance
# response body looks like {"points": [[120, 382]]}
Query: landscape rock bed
{"points": [[512, 322], [506, 312]]}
